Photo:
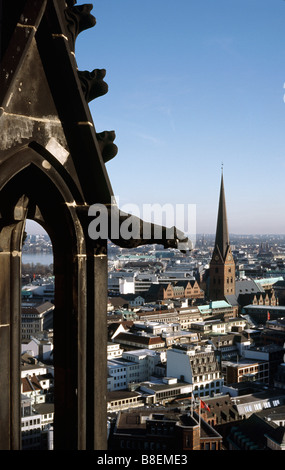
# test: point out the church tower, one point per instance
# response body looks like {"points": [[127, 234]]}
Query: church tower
{"points": [[222, 265]]}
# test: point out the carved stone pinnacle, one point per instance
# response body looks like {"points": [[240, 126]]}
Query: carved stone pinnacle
{"points": [[79, 19], [106, 143], [93, 84]]}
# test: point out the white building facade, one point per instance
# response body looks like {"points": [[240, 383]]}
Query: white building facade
{"points": [[133, 367], [196, 365]]}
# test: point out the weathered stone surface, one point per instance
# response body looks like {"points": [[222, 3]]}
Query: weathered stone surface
{"points": [[79, 18], [93, 84], [52, 168], [106, 143]]}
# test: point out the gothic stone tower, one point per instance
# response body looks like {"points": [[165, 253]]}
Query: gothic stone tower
{"points": [[52, 170], [222, 265]]}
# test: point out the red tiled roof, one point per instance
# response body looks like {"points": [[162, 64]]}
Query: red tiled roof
{"points": [[30, 384]]}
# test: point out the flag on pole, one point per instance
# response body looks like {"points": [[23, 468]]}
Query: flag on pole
{"points": [[268, 315], [192, 405], [204, 405]]}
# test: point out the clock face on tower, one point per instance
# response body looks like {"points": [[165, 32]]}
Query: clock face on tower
{"points": [[229, 257], [216, 258]]}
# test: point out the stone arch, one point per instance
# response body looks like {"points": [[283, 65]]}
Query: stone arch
{"points": [[33, 186]]}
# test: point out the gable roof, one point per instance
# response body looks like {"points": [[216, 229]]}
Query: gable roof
{"points": [[30, 384]]}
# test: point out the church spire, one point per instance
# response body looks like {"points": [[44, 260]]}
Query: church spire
{"points": [[222, 241], [222, 265]]}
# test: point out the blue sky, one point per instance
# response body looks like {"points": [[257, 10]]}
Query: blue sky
{"points": [[193, 84]]}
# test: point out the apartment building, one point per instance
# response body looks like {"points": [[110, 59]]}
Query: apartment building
{"points": [[36, 317], [273, 354], [36, 425], [37, 383], [245, 369], [188, 289], [185, 316], [218, 326], [130, 282], [140, 340], [114, 350], [40, 348], [133, 367], [163, 431], [198, 365]]}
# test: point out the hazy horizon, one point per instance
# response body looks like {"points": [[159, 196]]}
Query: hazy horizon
{"points": [[33, 228]]}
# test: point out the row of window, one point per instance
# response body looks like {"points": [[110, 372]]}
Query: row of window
{"points": [[31, 431], [204, 360], [209, 385], [30, 422], [217, 270], [143, 445], [255, 369], [123, 402], [202, 378], [120, 384], [209, 446], [219, 281], [169, 393], [259, 406]]}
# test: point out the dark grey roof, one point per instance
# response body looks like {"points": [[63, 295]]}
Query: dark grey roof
{"points": [[232, 300], [44, 408], [277, 435], [247, 286], [130, 296], [121, 394], [157, 287], [279, 284], [254, 429]]}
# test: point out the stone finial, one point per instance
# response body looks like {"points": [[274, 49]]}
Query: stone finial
{"points": [[93, 84], [79, 19], [106, 143]]}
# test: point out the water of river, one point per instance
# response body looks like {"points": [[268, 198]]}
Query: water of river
{"points": [[31, 258]]}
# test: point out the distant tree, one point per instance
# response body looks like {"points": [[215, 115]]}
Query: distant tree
{"points": [[37, 269]]}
